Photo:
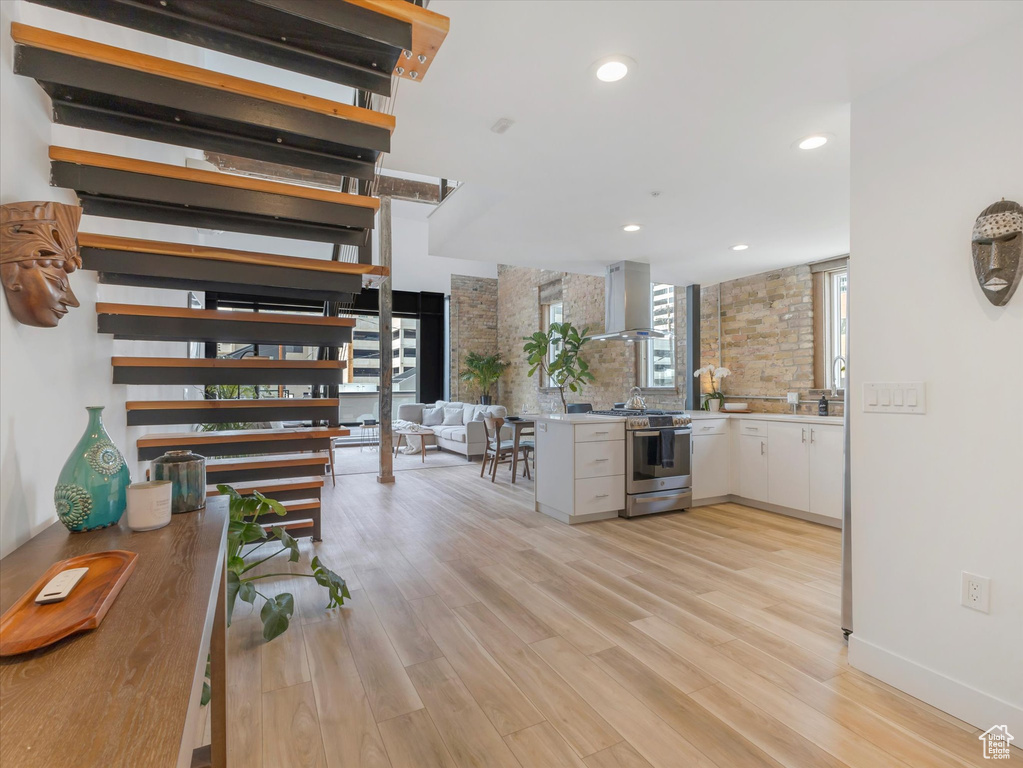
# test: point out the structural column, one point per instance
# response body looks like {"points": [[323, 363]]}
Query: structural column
{"points": [[692, 346], [386, 474]]}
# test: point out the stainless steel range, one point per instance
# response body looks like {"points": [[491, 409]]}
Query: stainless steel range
{"points": [[658, 461]]}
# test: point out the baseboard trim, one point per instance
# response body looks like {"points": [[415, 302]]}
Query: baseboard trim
{"points": [[778, 510], [975, 707], [557, 514]]}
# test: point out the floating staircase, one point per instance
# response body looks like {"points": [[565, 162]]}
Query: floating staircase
{"points": [[364, 44], [242, 371], [270, 467], [145, 323], [236, 442], [143, 413], [149, 264]]}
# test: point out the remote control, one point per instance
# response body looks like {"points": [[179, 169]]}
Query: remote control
{"points": [[60, 586]]}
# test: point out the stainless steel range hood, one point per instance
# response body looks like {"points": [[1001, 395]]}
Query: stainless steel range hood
{"points": [[627, 315]]}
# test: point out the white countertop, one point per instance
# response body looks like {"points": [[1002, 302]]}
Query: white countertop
{"points": [[803, 418], [575, 418]]}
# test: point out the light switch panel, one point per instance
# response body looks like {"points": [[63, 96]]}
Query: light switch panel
{"points": [[894, 397]]}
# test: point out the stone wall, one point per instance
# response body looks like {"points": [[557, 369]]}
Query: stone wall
{"points": [[766, 337], [473, 327], [518, 308]]}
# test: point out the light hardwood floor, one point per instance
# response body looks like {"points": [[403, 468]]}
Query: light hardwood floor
{"points": [[483, 634]]}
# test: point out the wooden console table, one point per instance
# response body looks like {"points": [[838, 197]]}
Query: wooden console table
{"points": [[127, 693]]}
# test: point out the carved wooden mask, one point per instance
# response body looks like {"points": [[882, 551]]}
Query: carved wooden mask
{"points": [[38, 251], [997, 250]]}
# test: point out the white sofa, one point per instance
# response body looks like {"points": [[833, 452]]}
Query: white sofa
{"points": [[467, 438]]}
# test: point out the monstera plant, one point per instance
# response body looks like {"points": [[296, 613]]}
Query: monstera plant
{"points": [[556, 354], [245, 535]]}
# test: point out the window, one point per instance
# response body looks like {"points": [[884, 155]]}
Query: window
{"points": [[555, 313], [836, 319], [657, 356]]}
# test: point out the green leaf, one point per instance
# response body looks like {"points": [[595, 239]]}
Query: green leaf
{"points": [[252, 532], [233, 585], [235, 563], [247, 592], [276, 615], [288, 541]]}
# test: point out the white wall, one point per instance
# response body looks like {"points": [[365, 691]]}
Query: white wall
{"points": [[49, 375], [938, 494], [413, 268]]}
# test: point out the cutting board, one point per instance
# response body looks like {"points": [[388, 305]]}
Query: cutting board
{"points": [[27, 626]]}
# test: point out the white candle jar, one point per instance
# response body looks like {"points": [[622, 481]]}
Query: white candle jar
{"points": [[149, 505]]}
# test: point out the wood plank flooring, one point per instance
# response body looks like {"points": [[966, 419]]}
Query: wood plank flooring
{"points": [[483, 634]]}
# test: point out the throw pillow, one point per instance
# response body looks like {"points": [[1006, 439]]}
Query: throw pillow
{"points": [[452, 417], [480, 416], [433, 417]]}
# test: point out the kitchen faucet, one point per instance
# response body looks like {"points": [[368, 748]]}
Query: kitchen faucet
{"points": [[836, 376]]}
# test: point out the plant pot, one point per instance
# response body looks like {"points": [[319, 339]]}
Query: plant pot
{"points": [[715, 405], [187, 473], [91, 488], [486, 400]]}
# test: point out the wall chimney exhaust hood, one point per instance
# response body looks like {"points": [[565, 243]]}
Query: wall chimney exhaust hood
{"points": [[627, 315]]}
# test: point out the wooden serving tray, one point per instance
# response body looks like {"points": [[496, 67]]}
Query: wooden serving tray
{"points": [[27, 626]]}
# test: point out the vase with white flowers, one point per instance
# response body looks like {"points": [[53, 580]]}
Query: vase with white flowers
{"points": [[713, 399]]}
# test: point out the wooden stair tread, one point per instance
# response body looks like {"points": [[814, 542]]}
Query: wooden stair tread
{"points": [[110, 242], [242, 435], [265, 402], [290, 524], [138, 310], [107, 54], [272, 460], [267, 487], [181, 173], [298, 505], [224, 362], [428, 32]]}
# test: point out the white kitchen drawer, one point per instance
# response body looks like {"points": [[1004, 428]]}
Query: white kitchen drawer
{"points": [[756, 428], [600, 458], [710, 426], [599, 494], [588, 433]]}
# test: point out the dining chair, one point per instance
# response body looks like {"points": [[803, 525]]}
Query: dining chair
{"points": [[497, 451]]}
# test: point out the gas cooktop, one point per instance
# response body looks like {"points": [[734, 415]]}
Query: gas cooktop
{"points": [[649, 418]]}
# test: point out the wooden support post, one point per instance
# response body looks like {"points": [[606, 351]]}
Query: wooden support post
{"points": [[386, 474]]}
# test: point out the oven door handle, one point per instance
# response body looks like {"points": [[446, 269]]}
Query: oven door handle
{"points": [[655, 434]]}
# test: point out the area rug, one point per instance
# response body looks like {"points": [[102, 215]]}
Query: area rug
{"points": [[352, 460]]}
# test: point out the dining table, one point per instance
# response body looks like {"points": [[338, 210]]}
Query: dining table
{"points": [[521, 425]]}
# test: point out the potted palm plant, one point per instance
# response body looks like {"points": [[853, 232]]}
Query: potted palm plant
{"points": [[483, 371]]}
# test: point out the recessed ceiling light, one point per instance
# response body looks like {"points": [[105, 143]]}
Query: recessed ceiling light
{"points": [[740, 247], [813, 142], [613, 69], [631, 227]]}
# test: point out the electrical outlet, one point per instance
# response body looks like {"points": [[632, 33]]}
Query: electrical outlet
{"points": [[976, 592]]}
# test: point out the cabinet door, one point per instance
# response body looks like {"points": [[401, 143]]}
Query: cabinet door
{"points": [[827, 470], [753, 467], [710, 466], [788, 483]]}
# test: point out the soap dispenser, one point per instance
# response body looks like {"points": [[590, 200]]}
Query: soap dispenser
{"points": [[822, 406]]}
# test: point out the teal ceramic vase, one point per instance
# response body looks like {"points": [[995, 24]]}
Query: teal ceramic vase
{"points": [[92, 488]]}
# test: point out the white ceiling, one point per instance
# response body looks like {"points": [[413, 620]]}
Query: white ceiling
{"points": [[707, 117]]}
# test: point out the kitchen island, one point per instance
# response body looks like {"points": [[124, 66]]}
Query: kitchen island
{"points": [[580, 466]]}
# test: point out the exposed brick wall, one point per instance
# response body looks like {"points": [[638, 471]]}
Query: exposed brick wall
{"points": [[518, 308], [473, 327], [766, 339]]}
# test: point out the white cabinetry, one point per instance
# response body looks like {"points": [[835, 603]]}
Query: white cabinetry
{"points": [[710, 459], [788, 483], [827, 470], [753, 466], [580, 468]]}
